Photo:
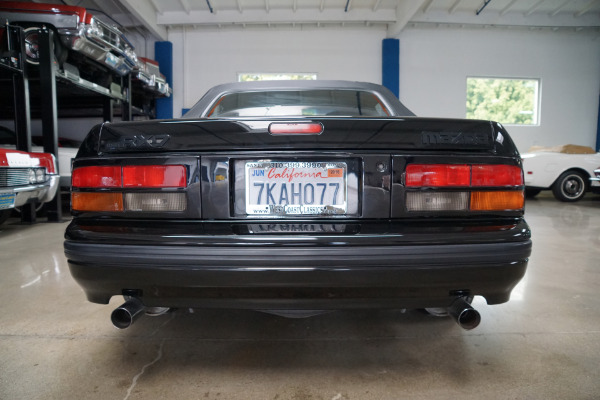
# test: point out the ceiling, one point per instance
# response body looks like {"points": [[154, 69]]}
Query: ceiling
{"points": [[156, 17]]}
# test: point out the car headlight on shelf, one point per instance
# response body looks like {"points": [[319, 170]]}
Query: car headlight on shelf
{"points": [[31, 175], [131, 55], [93, 29], [36, 175]]}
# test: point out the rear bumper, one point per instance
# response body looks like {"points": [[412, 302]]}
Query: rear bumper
{"points": [[349, 270]]}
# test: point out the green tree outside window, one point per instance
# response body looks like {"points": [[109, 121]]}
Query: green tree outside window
{"points": [[508, 101]]}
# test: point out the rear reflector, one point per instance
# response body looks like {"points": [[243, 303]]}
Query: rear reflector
{"points": [[497, 201], [437, 201], [85, 201], [97, 177], [437, 175], [152, 202], [300, 128], [154, 176]]}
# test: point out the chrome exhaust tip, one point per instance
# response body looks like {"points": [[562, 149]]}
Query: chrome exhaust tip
{"points": [[465, 316], [125, 315]]}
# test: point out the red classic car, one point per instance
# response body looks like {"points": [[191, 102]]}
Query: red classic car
{"points": [[25, 178], [147, 73], [93, 42]]}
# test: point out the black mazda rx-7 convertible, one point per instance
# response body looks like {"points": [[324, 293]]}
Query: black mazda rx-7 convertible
{"points": [[295, 198]]}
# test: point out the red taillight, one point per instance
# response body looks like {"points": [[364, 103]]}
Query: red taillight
{"points": [[142, 176], [154, 176], [296, 128], [437, 175], [496, 175], [130, 177], [466, 177], [96, 177], [450, 175]]}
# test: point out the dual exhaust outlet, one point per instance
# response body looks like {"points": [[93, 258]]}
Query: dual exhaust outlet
{"points": [[460, 310], [464, 314], [127, 313]]}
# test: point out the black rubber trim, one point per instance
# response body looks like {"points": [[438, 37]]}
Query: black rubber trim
{"points": [[290, 257]]}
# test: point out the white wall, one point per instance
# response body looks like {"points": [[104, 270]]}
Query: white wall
{"points": [[434, 65], [204, 58]]}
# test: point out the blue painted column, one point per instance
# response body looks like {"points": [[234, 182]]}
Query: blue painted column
{"points": [[390, 65], [163, 53]]}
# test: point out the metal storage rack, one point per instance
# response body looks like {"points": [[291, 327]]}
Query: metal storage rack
{"points": [[51, 85]]}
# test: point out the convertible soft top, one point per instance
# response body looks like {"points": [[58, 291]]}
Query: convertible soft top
{"points": [[394, 105]]}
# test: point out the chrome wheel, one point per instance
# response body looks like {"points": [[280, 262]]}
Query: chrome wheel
{"points": [[570, 186]]}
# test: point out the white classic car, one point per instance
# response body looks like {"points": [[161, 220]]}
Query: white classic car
{"points": [[568, 170]]}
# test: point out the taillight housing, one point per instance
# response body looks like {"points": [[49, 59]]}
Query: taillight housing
{"points": [[464, 187], [132, 188]]}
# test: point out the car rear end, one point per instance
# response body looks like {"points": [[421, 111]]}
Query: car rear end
{"points": [[298, 213]]}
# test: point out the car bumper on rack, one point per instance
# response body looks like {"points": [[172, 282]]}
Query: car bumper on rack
{"points": [[97, 49]]}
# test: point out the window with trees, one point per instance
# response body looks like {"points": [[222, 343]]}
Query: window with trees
{"points": [[508, 101]]}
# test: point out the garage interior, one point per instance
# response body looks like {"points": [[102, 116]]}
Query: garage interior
{"points": [[543, 343]]}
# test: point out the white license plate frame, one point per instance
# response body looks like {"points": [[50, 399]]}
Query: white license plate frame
{"points": [[296, 188]]}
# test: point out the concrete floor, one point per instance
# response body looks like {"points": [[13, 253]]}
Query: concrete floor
{"points": [[543, 344]]}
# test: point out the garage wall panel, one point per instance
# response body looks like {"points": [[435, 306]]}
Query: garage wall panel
{"points": [[210, 57], [436, 62]]}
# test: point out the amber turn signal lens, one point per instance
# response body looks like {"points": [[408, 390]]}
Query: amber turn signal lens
{"points": [[497, 201], [82, 201]]}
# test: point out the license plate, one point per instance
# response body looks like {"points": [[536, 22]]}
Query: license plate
{"points": [[7, 200], [296, 188]]}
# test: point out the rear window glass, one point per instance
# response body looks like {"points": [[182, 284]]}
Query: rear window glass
{"points": [[299, 103]]}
